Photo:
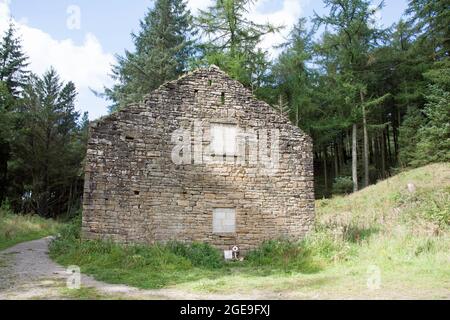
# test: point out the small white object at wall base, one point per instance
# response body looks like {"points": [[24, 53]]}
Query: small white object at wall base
{"points": [[228, 254]]}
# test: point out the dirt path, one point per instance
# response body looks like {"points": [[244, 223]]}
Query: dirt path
{"points": [[27, 272]]}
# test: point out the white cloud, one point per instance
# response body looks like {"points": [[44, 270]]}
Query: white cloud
{"points": [[287, 14], [87, 65], [194, 5]]}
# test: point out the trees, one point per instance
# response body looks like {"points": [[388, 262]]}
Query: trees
{"points": [[232, 41], [426, 135], [47, 150], [13, 62], [292, 76], [13, 75], [353, 38], [163, 47], [371, 98], [430, 21]]}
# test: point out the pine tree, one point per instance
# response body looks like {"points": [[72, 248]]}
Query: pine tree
{"points": [[232, 41], [13, 62], [13, 75], [47, 152], [425, 136], [353, 38], [430, 20], [293, 77], [163, 47], [6, 119], [434, 137], [282, 107]]}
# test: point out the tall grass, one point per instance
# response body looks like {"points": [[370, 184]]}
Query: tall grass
{"points": [[160, 265], [15, 228], [153, 266]]}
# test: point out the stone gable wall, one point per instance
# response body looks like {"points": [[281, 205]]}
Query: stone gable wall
{"points": [[135, 193]]}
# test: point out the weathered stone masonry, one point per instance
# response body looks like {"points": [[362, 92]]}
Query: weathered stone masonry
{"points": [[135, 193]]}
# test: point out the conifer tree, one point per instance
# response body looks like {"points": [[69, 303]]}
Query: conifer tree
{"points": [[13, 62], [163, 47], [232, 39], [47, 152], [13, 75]]}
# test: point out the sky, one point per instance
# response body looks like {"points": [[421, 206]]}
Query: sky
{"points": [[80, 38]]}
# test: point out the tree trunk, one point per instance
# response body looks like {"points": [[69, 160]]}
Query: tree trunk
{"points": [[396, 129], [342, 154], [383, 156], [336, 160], [366, 142], [325, 171], [349, 142], [386, 152], [4, 157], [374, 152], [388, 141], [354, 159]]}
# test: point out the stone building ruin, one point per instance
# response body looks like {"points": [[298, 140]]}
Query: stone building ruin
{"points": [[200, 159]]}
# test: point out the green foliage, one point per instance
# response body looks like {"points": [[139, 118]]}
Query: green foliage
{"points": [[408, 135], [434, 137], [430, 21], [137, 265], [13, 62], [200, 254], [433, 206], [13, 75], [16, 228], [426, 138], [343, 185], [283, 255], [233, 42], [163, 47], [48, 147], [294, 78]]}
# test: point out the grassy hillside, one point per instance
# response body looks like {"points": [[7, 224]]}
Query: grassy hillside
{"points": [[382, 242], [19, 228]]}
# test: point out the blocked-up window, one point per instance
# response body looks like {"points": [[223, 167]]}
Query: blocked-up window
{"points": [[223, 139], [224, 220]]}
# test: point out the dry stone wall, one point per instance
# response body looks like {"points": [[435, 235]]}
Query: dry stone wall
{"points": [[135, 193]]}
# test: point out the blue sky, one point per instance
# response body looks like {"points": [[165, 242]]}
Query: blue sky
{"points": [[80, 38]]}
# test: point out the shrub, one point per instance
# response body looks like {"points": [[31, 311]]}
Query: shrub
{"points": [[436, 207], [200, 254], [343, 185]]}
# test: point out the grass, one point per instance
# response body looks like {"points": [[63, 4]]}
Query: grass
{"points": [[15, 228], [159, 266], [383, 233], [81, 294]]}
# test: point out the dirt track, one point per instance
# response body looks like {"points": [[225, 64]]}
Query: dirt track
{"points": [[27, 272]]}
